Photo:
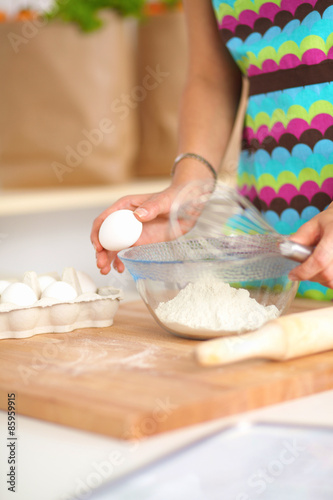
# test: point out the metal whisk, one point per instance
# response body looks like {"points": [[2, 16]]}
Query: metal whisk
{"points": [[201, 211]]}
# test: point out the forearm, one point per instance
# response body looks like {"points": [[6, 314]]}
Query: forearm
{"points": [[207, 117], [211, 96]]}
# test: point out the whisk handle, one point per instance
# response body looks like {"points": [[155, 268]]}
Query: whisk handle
{"points": [[295, 251]]}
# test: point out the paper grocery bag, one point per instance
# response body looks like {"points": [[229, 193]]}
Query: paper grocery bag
{"points": [[161, 43], [59, 92]]}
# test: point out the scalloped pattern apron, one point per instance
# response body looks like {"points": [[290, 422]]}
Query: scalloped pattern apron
{"points": [[285, 48]]}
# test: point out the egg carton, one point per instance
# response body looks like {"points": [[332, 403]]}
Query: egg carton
{"points": [[93, 307]]}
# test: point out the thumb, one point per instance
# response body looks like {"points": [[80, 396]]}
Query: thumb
{"points": [[152, 208]]}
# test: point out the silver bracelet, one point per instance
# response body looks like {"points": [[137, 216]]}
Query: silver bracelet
{"points": [[194, 156]]}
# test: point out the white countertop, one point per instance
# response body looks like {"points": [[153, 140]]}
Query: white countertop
{"points": [[57, 463], [47, 233], [19, 202]]}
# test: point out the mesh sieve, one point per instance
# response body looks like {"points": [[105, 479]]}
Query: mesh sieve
{"points": [[198, 211], [232, 259]]}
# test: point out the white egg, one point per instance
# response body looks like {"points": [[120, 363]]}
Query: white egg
{"points": [[120, 230], [86, 283], [44, 281], [4, 284], [60, 290], [19, 294]]}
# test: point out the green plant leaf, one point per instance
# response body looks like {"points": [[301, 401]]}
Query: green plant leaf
{"points": [[85, 13]]}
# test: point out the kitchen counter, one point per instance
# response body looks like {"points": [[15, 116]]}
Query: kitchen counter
{"points": [[56, 462], [19, 202]]}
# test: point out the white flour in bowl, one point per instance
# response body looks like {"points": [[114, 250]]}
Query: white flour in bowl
{"points": [[211, 304]]}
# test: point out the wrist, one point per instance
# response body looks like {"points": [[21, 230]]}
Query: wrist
{"points": [[189, 170], [191, 166]]}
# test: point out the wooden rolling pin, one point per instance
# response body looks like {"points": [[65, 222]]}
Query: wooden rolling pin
{"points": [[287, 337]]}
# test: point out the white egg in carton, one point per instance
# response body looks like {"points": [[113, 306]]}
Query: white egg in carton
{"points": [[46, 304]]}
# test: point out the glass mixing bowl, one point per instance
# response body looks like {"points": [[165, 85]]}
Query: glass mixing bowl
{"points": [[225, 265]]}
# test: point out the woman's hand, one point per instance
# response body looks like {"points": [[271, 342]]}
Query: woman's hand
{"points": [[151, 209], [319, 232]]}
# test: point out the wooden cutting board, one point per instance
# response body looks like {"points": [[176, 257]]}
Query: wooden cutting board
{"points": [[133, 380]]}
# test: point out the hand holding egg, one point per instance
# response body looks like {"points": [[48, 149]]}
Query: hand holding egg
{"points": [[120, 230], [151, 209]]}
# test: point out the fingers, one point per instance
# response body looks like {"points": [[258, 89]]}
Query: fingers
{"points": [[103, 261], [118, 265], [319, 266], [308, 233]]}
